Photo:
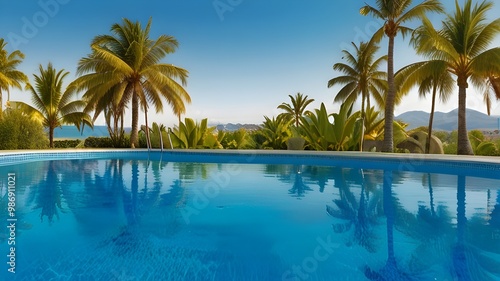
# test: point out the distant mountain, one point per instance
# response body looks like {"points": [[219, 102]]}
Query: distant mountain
{"points": [[234, 127], [449, 121]]}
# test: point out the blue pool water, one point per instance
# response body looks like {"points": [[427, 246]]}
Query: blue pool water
{"points": [[157, 217]]}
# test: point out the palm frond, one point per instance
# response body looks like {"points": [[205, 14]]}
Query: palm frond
{"points": [[29, 110], [419, 10]]}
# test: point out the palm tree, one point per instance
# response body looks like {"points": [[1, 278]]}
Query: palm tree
{"points": [[361, 76], [126, 67], [462, 45], [431, 76], [9, 75], [395, 13], [53, 107], [297, 109]]}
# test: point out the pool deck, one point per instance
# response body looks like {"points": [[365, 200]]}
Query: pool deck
{"points": [[351, 154]]}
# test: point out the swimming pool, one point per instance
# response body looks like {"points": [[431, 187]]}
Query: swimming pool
{"points": [[230, 215]]}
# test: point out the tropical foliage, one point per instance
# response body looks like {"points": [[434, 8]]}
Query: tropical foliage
{"points": [[275, 131], [191, 134], [19, 131], [486, 145], [239, 139], [395, 14], [53, 107], [157, 136], [9, 75], [125, 68], [344, 133]]}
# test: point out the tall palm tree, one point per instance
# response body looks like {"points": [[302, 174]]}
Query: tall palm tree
{"points": [[9, 75], [362, 76], [431, 76], [395, 13], [462, 44], [297, 109], [127, 66], [53, 107]]}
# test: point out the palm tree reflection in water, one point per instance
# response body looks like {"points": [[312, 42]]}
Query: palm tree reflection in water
{"points": [[470, 262], [49, 194], [358, 216], [291, 174], [299, 188], [390, 271]]}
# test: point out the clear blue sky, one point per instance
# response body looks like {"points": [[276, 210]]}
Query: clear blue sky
{"points": [[244, 56]]}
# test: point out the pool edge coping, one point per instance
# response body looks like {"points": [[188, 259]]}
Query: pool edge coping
{"points": [[303, 153]]}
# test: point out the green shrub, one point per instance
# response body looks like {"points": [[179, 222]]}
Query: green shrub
{"points": [[275, 132], [93, 142], [123, 143], [106, 142], [257, 138], [296, 143], [192, 135], [343, 134], [486, 148], [18, 131], [450, 148], [142, 140], [239, 139], [476, 137], [442, 135], [66, 143]]}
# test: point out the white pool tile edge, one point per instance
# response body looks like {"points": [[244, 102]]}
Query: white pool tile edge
{"points": [[301, 153]]}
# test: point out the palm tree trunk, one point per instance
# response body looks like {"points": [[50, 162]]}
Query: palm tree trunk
{"points": [[113, 129], [388, 144], [363, 96], [51, 137], [148, 140], [431, 119], [368, 101], [1, 105], [134, 141], [122, 131], [463, 146]]}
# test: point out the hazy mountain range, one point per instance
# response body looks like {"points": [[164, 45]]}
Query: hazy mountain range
{"points": [[449, 121]]}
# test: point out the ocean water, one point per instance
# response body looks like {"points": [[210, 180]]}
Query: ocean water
{"points": [[133, 219], [71, 132]]}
